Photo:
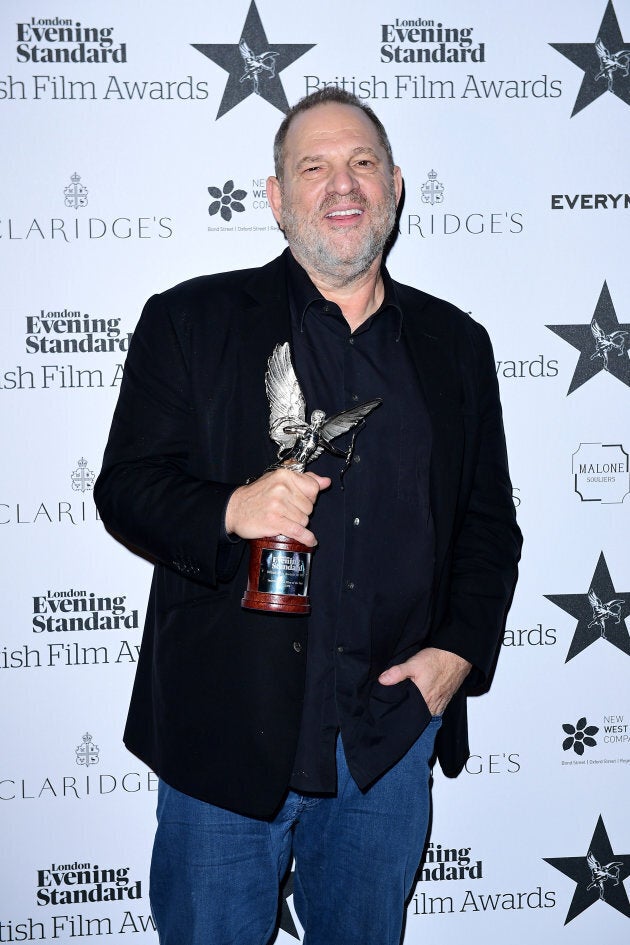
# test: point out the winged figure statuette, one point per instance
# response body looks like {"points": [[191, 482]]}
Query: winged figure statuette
{"points": [[601, 874], [299, 441]]}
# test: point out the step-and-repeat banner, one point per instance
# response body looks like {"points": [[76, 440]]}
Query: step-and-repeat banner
{"points": [[136, 140]]}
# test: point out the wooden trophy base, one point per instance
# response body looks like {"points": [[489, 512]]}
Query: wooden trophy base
{"points": [[278, 576]]}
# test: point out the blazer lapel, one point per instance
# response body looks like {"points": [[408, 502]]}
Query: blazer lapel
{"points": [[264, 322]]}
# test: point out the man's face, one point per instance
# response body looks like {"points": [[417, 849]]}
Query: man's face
{"points": [[337, 200]]}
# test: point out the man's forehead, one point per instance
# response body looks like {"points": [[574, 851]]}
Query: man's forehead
{"points": [[331, 122]]}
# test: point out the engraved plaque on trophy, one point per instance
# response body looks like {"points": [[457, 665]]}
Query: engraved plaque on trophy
{"points": [[279, 567]]}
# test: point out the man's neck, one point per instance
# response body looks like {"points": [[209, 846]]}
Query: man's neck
{"points": [[358, 298]]}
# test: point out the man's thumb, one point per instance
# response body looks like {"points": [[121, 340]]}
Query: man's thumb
{"points": [[394, 674]]}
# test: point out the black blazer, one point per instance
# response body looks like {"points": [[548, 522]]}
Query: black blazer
{"points": [[216, 703]]}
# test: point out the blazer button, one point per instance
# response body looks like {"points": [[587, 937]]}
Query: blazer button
{"points": [[297, 646]]}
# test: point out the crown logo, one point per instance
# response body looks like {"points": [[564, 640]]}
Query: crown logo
{"points": [[87, 752], [82, 478], [75, 193], [432, 190]]}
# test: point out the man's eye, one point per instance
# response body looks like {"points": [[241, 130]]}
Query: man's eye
{"points": [[365, 162], [310, 170]]}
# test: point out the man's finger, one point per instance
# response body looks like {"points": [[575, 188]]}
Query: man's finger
{"points": [[307, 481], [298, 533], [394, 674]]}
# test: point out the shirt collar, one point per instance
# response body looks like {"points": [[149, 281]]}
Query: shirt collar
{"points": [[302, 294]]}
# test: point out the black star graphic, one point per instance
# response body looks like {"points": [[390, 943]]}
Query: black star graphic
{"points": [[603, 345], [254, 64], [286, 919], [604, 62], [600, 613], [599, 875]]}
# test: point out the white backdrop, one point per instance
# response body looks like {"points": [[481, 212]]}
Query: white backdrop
{"points": [[516, 211]]}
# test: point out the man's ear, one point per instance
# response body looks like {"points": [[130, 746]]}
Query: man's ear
{"points": [[274, 196], [397, 183]]}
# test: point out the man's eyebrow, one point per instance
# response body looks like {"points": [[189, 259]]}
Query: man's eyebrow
{"points": [[365, 149], [316, 158], [310, 159]]}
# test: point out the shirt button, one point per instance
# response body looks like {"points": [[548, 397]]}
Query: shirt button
{"points": [[356, 521], [339, 649], [297, 646], [327, 308], [355, 397], [357, 459], [350, 341], [350, 585]]}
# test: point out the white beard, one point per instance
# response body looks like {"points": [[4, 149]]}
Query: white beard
{"points": [[339, 261]]}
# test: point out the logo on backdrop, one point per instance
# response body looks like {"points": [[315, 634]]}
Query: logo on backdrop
{"points": [[598, 874], [82, 478], [581, 747], [601, 472], [71, 331], [603, 344], [58, 40], [78, 782], [87, 752], [226, 200], [75, 193], [590, 201], [432, 190], [49, 45], [75, 883], [413, 41], [235, 209], [61, 618], [77, 611], [418, 44], [73, 229], [600, 612], [254, 64], [579, 736], [429, 222], [605, 62]]}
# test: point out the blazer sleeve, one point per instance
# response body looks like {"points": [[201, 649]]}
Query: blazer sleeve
{"points": [[146, 493], [487, 540]]}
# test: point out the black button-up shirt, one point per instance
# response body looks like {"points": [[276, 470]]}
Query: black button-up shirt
{"points": [[372, 572]]}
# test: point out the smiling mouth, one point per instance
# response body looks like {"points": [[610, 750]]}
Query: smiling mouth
{"points": [[355, 212]]}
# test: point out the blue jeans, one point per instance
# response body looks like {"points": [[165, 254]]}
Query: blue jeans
{"points": [[215, 875]]}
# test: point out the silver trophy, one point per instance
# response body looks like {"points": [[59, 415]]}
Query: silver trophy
{"points": [[279, 567]]}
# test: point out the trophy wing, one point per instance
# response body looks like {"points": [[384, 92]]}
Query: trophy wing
{"points": [[286, 401], [342, 422]]}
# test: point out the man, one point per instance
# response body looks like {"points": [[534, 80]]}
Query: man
{"points": [[277, 734]]}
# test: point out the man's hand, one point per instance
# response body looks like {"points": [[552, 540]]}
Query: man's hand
{"points": [[279, 503], [438, 674]]}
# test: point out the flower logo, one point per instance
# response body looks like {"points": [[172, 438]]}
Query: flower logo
{"points": [[580, 735], [226, 200]]}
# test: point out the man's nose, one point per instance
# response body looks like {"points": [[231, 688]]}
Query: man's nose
{"points": [[342, 181]]}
